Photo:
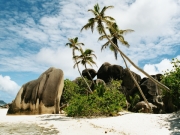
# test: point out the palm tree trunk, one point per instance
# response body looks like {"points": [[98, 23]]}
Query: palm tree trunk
{"points": [[139, 88], [142, 94], [150, 77], [83, 78], [89, 74]]}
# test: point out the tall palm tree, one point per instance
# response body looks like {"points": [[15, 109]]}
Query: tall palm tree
{"points": [[115, 35], [75, 45], [85, 58], [101, 19]]}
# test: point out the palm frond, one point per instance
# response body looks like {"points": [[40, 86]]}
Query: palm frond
{"points": [[112, 48], [96, 8], [94, 12], [102, 37], [75, 39], [125, 31], [105, 45], [68, 44], [80, 44], [100, 28], [76, 64], [123, 42], [109, 18], [88, 51], [104, 9], [90, 24]]}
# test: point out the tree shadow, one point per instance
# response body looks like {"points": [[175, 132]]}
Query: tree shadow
{"points": [[54, 117], [174, 121]]}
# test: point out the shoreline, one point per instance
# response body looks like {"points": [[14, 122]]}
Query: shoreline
{"points": [[58, 124]]}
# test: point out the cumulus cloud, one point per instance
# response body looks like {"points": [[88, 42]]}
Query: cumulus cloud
{"points": [[8, 85], [157, 68], [36, 39]]}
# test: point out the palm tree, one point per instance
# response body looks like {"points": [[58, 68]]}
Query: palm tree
{"points": [[75, 45], [115, 35], [85, 58], [101, 19]]}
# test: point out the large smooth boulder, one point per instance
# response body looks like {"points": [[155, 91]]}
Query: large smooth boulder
{"points": [[115, 72], [92, 72], [103, 72], [128, 82], [40, 96], [143, 107], [107, 72]]}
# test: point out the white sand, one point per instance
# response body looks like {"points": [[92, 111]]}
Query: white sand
{"points": [[126, 124]]}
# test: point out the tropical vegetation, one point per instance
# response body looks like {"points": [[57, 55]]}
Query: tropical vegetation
{"points": [[171, 79], [104, 101]]}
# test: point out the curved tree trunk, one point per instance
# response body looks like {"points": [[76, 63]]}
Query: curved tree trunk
{"points": [[150, 77], [142, 94], [83, 78], [139, 88]]}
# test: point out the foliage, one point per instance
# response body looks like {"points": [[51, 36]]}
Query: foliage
{"points": [[72, 88], [114, 84], [104, 101], [172, 80], [69, 91], [100, 89], [134, 99]]}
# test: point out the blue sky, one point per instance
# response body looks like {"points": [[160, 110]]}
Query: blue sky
{"points": [[33, 34]]}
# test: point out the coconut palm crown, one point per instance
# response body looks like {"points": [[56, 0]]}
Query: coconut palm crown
{"points": [[85, 58], [74, 44], [115, 35], [99, 18]]}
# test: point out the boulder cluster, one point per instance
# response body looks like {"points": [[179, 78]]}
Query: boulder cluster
{"points": [[153, 94], [43, 95]]}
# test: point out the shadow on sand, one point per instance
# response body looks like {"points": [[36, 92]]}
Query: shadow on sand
{"points": [[54, 117], [174, 121]]}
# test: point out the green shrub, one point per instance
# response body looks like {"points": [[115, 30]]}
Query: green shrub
{"points": [[71, 88], [134, 99], [105, 101], [172, 80], [114, 84]]}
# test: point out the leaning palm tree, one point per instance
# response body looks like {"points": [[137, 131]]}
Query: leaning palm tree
{"points": [[102, 20], [86, 57], [75, 45], [115, 35]]}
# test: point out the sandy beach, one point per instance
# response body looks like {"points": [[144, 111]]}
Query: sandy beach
{"points": [[58, 124]]}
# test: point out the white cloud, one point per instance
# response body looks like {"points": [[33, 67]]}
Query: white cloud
{"points": [[8, 85], [154, 23], [154, 69]]}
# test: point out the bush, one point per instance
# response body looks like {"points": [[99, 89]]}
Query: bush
{"points": [[105, 101], [134, 99], [172, 80], [69, 91], [71, 88]]}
